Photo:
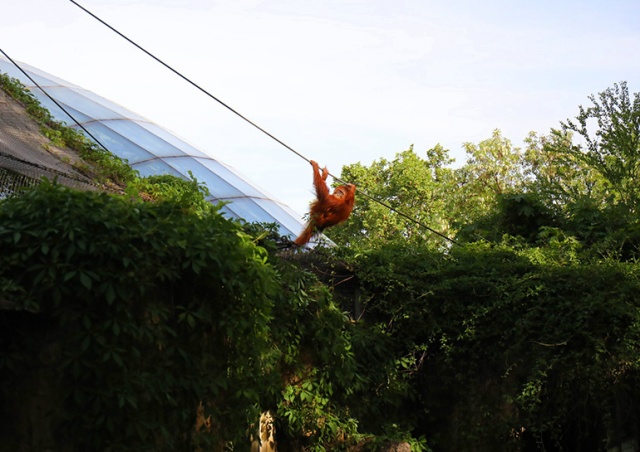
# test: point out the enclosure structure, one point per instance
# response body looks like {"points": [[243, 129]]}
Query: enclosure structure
{"points": [[153, 150]]}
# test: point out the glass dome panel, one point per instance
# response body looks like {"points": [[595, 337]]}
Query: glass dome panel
{"points": [[117, 144], [14, 72], [219, 188], [246, 209], [287, 217], [155, 167], [227, 210], [119, 110], [60, 115], [151, 149], [81, 103], [52, 79], [230, 176], [172, 139], [143, 138]]}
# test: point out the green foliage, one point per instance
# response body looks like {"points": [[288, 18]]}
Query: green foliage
{"points": [[580, 179], [493, 167], [325, 366], [525, 337], [504, 340], [313, 326], [558, 176], [415, 186], [611, 145], [426, 190], [155, 309], [521, 215], [586, 173], [104, 166], [267, 235], [189, 194]]}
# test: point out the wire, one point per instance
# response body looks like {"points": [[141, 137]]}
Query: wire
{"points": [[189, 80], [55, 101], [207, 93], [402, 214]]}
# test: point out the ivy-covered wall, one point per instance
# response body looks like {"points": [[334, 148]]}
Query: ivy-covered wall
{"points": [[143, 311]]}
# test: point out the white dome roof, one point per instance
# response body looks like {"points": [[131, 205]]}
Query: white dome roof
{"points": [[153, 150]]}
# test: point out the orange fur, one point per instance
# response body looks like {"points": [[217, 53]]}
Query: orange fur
{"points": [[328, 209]]}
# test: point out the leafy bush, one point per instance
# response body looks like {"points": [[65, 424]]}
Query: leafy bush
{"points": [[154, 311], [148, 311], [512, 347]]}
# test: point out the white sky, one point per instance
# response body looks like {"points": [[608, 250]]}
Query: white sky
{"points": [[340, 81]]}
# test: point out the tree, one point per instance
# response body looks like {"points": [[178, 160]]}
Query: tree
{"points": [[430, 192], [489, 193], [559, 177], [610, 134], [493, 167], [586, 173], [417, 187]]}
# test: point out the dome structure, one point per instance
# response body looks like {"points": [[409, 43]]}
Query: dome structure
{"points": [[153, 150]]}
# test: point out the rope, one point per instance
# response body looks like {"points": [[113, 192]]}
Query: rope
{"points": [[207, 93]]}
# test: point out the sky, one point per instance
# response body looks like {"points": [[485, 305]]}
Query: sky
{"points": [[340, 81]]}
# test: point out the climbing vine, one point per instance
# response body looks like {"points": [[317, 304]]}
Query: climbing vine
{"points": [[152, 311]]}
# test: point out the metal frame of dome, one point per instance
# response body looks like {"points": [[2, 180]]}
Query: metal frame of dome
{"points": [[153, 150]]}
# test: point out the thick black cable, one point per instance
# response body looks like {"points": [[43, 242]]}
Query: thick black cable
{"points": [[186, 79], [54, 101], [402, 214], [207, 93]]}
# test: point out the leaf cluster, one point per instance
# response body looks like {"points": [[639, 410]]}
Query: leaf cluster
{"points": [[524, 335], [165, 327], [153, 310], [510, 347]]}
